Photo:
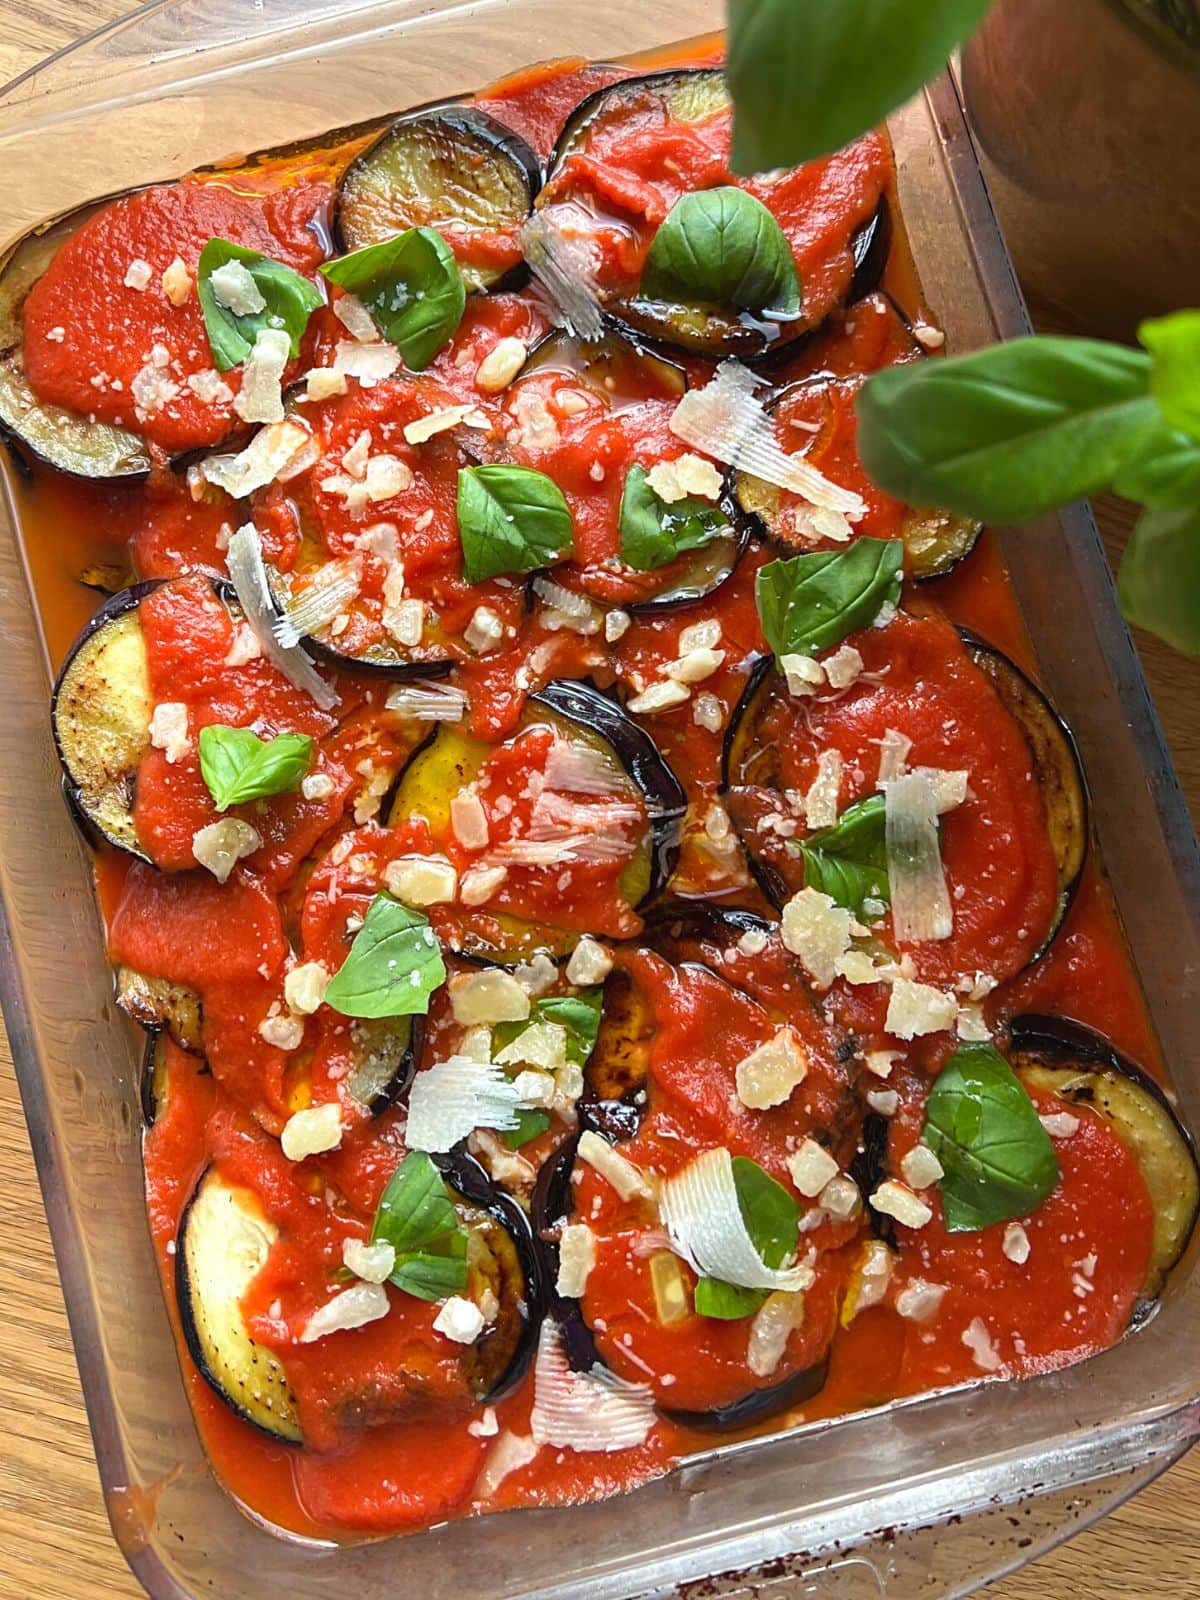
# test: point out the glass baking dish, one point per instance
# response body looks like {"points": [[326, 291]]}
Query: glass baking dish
{"points": [[929, 1498]]}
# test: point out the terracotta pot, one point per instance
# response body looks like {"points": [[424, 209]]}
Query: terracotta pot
{"points": [[1088, 114]]}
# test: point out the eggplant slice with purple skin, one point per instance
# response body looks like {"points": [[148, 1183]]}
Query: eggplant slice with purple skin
{"points": [[693, 94], [450, 759], [1081, 1067], [450, 167], [161, 1006], [617, 366], [749, 763]]}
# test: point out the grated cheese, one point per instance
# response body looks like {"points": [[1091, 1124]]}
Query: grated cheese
{"points": [[168, 730], [449, 1100], [353, 1308], [576, 1258], [585, 1411], [915, 1009], [701, 1212], [234, 288], [921, 909], [817, 930], [768, 1075], [221, 845], [811, 1167], [260, 398], [629, 1181], [311, 1132]]}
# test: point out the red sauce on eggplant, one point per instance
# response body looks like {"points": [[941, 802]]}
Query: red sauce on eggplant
{"points": [[384, 1409]]}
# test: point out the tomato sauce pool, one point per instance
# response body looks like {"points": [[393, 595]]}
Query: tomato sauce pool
{"points": [[231, 944]]}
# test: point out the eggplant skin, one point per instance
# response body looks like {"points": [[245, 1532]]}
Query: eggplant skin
{"points": [[386, 1051], [757, 1404], [100, 714], [224, 1239], [1082, 1067], [62, 438], [160, 1005], [442, 165]]}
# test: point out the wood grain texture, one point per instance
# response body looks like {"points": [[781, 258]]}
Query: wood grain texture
{"points": [[55, 1542]]}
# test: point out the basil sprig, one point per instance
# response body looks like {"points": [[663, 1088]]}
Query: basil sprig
{"points": [[394, 965], [412, 287], [290, 301], [237, 765], [654, 532], [511, 519], [997, 1158], [579, 1016], [812, 602], [772, 1218], [848, 862], [1174, 344], [417, 1218], [723, 246], [808, 76]]}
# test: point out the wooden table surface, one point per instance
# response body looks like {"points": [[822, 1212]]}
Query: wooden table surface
{"points": [[54, 1536]]}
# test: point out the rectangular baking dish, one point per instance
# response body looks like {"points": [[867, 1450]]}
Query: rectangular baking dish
{"points": [[929, 1498]]}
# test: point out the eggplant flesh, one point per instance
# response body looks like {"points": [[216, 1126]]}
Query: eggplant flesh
{"points": [[62, 438], [162, 1006], [1082, 1067], [450, 760], [224, 1240], [450, 167], [385, 1053], [100, 712]]}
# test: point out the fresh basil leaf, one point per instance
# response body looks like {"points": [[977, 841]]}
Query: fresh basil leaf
{"points": [[812, 602], [290, 301], [848, 862], [237, 765], [412, 287], [1159, 581], [1174, 343], [511, 519], [429, 1277], [723, 246], [415, 1210], [530, 1125], [1008, 432], [808, 76], [727, 1302], [1165, 472], [997, 1158], [394, 965], [578, 1014], [654, 532]]}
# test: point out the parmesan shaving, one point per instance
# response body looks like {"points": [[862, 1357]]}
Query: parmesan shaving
{"points": [[249, 574], [426, 701], [700, 1209], [453, 1098], [582, 769], [330, 593], [353, 1308], [260, 398], [264, 458], [727, 420], [628, 1181], [821, 801], [921, 908], [565, 268], [585, 1411]]}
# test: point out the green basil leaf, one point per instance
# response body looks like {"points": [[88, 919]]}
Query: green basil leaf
{"points": [[727, 1302], [1174, 343], [511, 519], [1165, 472], [237, 765], [415, 1210], [1008, 432], [530, 1125], [431, 1277], [412, 287], [997, 1158], [811, 603], [578, 1014], [654, 532], [723, 246], [394, 965], [848, 862], [1159, 582], [808, 76], [290, 301]]}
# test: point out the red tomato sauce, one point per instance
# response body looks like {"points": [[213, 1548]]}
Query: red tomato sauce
{"points": [[396, 1438]]}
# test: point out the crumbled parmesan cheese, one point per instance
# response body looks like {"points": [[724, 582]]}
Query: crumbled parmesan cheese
{"points": [[884, 1101], [177, 283], [509, 1454], [500, 366], [260, 398], [803, 674], [355, 318], [616, 625], [817, 930], [768, 1075], [857, 967], [317, 786], [169, 730], [152, 388], [478, 884], [353, 1308], [842, 667], [309, 1133], [138, 274], [486, 1426], [673, 481], [1060, 1124], [234, 288], [536, 428], [422, 880], [221, 845], [368, 363], [576, 1258], [812, 1167], [708, 713], [840, 1198], [535, 1090], [322, 383], [590, 962], [460, 1320], [915, 1009], [488, 997], [435, 422], [978, 1341], [628, 1181], [821, 800], [469, 820], [304, 987], [284, 1032], [659, 697], [264, 458], [695, 665], [405, 621], [373, 1263], [919, 1300], [920, 1168], [774, 1323], [894, 749], [209, 387], [1016, 1244], [896, 1200], [485, 631]]}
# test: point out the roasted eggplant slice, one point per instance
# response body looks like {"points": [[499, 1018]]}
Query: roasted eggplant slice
{"points": [[1082, 1067], [385, 1058], [501, 1257], [606, 742], [101, 713], [450, 167], [158, 1005], [626, 115], [153, 1088], [224, 1240]]}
